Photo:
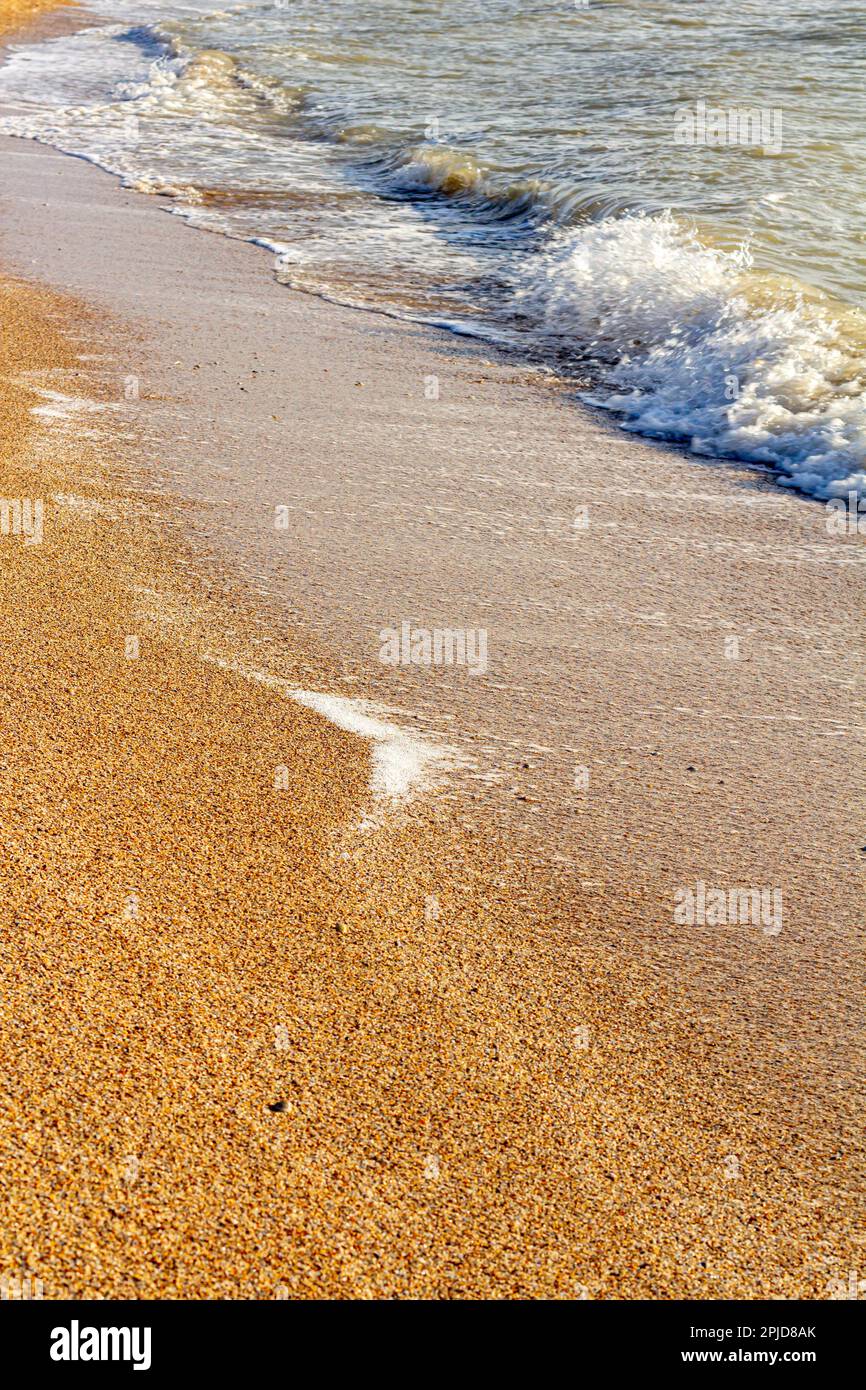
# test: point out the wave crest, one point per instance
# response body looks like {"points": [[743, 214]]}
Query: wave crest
{"points": [[696, 346]]}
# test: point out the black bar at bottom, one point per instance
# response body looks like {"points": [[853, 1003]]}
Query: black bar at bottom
{"points": [[161, 1340]]}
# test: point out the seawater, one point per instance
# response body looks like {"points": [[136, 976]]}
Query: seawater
{"points": [[665, 199]]}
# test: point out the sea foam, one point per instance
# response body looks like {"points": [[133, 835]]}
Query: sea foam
{"points": [[695, 346], [685, 341]]}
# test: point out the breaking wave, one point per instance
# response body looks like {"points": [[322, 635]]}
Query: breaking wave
{"points": [[695, 345], [684, 340]]}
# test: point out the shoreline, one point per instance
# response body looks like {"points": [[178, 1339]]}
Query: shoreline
{"points": [[628, 1138], [687, 510], [665, 377]]}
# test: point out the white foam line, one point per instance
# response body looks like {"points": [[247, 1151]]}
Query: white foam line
{"points": [[400, 759], [403, 762], [60, 407]]}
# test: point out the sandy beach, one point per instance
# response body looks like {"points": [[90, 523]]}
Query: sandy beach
{"points": [[20, 13], [276, 1032], [35, 18]]}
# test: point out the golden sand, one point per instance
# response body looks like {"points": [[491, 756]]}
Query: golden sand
{"points": [[14, 14], [253, 1052]]}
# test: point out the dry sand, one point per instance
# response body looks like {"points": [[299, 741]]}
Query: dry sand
{"points": [[15, 13], [504, 1070]]}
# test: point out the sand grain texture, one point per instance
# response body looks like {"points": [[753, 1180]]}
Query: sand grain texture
{"points": [[210, 1090], [242, 1056], [15, 14]]}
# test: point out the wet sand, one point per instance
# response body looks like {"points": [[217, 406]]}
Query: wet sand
{"points": [[501, 1068]]}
